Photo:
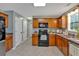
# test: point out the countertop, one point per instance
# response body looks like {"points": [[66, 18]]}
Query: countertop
{"points": [[2, 41], [71, 39]]}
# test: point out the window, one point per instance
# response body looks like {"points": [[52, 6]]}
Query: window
{"points": [[73, 20]]}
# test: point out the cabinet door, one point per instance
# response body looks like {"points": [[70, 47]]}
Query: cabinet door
{"points": [[35, 23], [8, 43], [35, 40], [51, 40], [50, 22], [60, 23], [65, 47], [64, 21], [54, 23], [6, 19]]}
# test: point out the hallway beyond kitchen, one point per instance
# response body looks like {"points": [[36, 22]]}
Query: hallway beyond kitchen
{"points": [[26, 49]]}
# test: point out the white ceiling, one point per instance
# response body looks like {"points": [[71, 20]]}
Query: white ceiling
{"points": [[27, 9]]}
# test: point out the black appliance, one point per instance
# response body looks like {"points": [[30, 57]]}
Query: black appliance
{"points": [[43, 34], [2, 28], [43, 25]]}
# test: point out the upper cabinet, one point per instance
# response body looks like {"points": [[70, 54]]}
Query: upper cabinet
{"points": [[52, 23], [35, 23], [5, 18], [64, 21], [43, 20]]}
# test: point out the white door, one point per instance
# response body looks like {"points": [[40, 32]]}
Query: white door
{"points": [[18, 31], [29, 29], [24, 30]]}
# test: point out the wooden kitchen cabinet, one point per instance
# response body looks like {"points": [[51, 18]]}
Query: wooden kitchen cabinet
{"points": [[35, 39], [59, 42], [51, 40], [49, 22], [65, 47], [59, 23], [43, 20], [8, 42], [52, 23], [64, 21], [5, 18], [35, 23], [62, 44]]}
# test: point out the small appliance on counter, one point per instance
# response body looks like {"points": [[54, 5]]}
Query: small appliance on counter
{"points": [[59, 31], [2, 28]]}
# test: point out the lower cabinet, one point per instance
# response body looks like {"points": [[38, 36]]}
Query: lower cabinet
{"points": [[65, 46], [34, 39], [51, 40], [62, 44], [8, 42]]}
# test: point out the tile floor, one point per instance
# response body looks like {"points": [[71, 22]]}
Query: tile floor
{"points": [[26, 49], [2, 49]]}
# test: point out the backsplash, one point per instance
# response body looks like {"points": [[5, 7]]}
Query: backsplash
{"points": [[35, 31]]}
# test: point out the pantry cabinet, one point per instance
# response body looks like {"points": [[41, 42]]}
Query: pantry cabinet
{"points": [[8, 42], [51, 40], [5, 18], [34, 39], [35, 23]]}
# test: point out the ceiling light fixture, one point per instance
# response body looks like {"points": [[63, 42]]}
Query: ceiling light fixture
{"points": [[39, 4]]}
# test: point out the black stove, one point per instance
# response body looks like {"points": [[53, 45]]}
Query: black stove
{"points": [[43, 35]]}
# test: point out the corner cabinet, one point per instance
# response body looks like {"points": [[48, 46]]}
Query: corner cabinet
{"points": [[34, 39], [5, 18], [64, 21], [35, 23]]}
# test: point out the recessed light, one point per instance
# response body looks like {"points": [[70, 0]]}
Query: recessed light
{"points": [[29, 18]]}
